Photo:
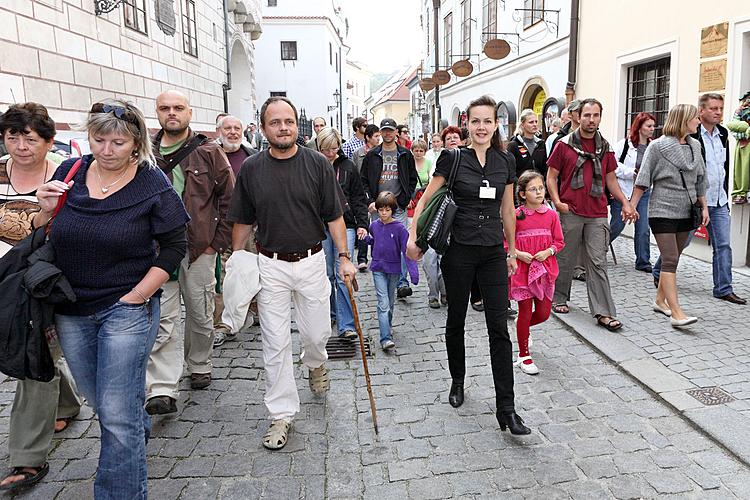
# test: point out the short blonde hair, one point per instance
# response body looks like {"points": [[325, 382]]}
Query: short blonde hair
{"points": [[328, 138], [677, 119], [419, 144], [525, 114], [131, 124]]}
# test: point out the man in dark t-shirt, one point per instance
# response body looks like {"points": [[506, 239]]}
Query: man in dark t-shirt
{"points": [[290, 192], [583, 163]]}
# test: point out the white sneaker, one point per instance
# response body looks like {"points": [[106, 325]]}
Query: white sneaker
{"points": [[527, 368], [387, 345]]}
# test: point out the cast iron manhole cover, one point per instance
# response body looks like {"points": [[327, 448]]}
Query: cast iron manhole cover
{"points": [[711, 396], [339, 348]]}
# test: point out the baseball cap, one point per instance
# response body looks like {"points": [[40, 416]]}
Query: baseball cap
{"points": [[574, 105], [388, 123]]}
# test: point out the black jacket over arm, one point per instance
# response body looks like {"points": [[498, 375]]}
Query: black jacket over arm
{"points": [[372, 167], [355, 216]]}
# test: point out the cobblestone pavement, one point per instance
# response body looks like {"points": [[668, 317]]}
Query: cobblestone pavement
{"points": [[715, 352], [596, 432]]}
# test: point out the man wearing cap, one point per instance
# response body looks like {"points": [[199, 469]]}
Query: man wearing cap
{"points": [[390, 167]]}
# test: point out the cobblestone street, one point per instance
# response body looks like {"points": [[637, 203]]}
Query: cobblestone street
{"points": [[597, 433]]}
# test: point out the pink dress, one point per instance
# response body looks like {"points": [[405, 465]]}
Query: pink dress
{"points": [[537, 231]]}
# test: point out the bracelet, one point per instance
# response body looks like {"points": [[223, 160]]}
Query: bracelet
{"points": [[551, 250], [135, 289], [345, 254], [511, 256]]}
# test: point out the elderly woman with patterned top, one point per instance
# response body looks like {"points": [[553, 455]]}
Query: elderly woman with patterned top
{"points": [[119, 210], [40, 408], [483, 192]]}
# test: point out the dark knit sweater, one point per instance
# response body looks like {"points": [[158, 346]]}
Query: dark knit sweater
{"points": [[105, 247]]}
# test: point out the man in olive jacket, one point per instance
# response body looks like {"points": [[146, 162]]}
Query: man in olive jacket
{"points": [[390, 167], [201, 174]]}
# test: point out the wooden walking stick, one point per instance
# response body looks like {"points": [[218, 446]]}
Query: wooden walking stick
{"points": [[348, 282]]}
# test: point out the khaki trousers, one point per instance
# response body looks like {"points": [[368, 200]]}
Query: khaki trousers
{"points": [[304, 284], [35, 408], [589, 238], [196, 285]]}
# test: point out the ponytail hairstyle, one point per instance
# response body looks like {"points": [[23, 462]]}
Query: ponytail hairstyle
{"points": [[495, 143]]}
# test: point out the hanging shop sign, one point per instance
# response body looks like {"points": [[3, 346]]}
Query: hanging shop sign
{"points": [[441, 77], [462, 68], [497, 48], [426, 84]]}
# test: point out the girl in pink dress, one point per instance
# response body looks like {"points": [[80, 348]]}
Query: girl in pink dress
{"points": [[539, 238]]}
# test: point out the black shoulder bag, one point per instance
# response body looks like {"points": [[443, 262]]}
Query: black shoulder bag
{"points": [[440, 226]]}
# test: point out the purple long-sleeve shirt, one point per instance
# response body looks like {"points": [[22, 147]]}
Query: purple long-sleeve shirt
{"points": [[388, 245]]}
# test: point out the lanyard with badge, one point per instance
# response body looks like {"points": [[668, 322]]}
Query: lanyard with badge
{"points": [[486, 191]]}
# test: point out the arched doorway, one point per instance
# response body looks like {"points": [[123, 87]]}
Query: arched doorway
{"points": [[456, 117], [240, 97], [533, 98]]}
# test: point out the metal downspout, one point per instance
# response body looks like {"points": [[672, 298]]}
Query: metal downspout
{"points": [[570, 88], [226, 87]]}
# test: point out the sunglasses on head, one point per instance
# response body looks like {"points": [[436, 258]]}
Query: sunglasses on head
{"points": [[120, 112]]}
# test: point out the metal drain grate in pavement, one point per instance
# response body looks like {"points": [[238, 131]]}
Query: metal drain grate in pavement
{"points": [[711, 396], [339, 348]]}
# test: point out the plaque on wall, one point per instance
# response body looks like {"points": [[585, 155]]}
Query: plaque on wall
{"points": [[714, 40], [713, 76], [165, 17]]}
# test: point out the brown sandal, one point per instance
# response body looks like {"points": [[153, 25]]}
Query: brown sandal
{"points": [[29, 478]]}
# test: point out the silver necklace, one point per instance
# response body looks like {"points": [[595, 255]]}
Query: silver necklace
{"points": [[108, 186]]}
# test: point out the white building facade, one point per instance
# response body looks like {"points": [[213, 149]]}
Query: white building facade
{"points": [[301, 56], [533, 73], [67, 54], [356, 92]]}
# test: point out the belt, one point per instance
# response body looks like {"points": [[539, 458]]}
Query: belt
{"points": [[292, 256]]}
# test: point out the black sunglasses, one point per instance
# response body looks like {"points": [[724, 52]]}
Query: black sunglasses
{"points": [[119, 111]]}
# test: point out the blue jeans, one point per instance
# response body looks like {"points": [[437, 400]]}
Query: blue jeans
{"points": [[385, 287], [401, 216], [341, 307], [642, 235], [107, 353]]}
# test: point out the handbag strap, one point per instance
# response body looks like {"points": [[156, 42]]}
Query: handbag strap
{"points": [[682, 177], [454, 169], [63, 197]]}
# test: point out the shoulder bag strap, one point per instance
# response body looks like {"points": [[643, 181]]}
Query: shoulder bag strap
{"points": [[682, 177], [624, 151], [454, 169], [61, 201]]}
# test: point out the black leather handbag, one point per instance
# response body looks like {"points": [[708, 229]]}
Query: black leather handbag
{"points": [[440, 227]]}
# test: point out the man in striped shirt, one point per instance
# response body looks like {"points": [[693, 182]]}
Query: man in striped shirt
{"points": [[358, 139]]}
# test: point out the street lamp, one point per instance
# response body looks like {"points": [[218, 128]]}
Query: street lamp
{"points": [[336, 100]]}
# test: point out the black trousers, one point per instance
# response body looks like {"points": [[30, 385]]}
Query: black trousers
{"points": [[460, 264], [362, 248]]}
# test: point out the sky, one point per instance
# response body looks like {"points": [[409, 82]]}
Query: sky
{"points": [[384, 35]]}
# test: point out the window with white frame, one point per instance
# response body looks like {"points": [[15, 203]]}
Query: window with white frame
{"points": [[489, 16], [533, 12], [288, 51], [466, 28], [447, 38], [648, 91], [189, 28], [134, 13]]}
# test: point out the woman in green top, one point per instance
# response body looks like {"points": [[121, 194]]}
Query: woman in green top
{"points": [[418, 149]]}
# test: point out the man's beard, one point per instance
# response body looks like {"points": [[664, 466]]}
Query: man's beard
{"points": [[175, 130], [280, 146], [230, 147]]}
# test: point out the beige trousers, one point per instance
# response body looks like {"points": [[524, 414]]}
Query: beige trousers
{"points": [[196, 286]]}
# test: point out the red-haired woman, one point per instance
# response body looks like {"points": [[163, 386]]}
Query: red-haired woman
{"points": [[629, 153]]}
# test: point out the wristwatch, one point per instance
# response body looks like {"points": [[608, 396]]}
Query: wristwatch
{"points": [[511, 256], [345, 254]]}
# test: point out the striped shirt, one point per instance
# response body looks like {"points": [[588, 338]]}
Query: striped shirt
{"points": [[353, 144]]}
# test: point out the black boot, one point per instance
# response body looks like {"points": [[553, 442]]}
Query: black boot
{"points": [[512, 421], [456, 396]]}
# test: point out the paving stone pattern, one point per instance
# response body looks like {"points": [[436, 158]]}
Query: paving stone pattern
{"points": [[596, 433]]}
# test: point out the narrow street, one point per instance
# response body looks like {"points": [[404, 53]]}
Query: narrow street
{"points": [[597, 433]]}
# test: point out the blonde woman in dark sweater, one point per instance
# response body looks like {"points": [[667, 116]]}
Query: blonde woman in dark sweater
{"points": [[674, 170]]}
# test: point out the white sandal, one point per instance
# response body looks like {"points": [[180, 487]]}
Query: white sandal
{"points": [[527, 368], [276, 436], [319, 380]]}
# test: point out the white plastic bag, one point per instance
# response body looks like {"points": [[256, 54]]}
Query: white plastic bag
{"points": [[241, 284]]}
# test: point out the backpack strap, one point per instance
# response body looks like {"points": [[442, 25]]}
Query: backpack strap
{"points": [[624, 151]]}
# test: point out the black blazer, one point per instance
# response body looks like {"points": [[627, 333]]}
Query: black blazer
{"points": [[724, 137], [372, 167], [525, 161]]}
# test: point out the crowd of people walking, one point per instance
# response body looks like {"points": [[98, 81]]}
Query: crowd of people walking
{"points": [[144, 226]]}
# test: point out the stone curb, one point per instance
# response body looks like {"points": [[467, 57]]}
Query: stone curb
{"points": [[722, 424]]}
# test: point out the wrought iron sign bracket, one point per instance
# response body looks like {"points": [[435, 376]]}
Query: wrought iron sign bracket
{"points": [[105, 6], [552, 26]]}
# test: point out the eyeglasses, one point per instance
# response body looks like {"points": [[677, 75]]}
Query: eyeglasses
{"points": [[120, 112]]}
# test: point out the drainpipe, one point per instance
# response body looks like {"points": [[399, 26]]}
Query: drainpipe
{"points": [[226, 87], [436, 36], [341, 92], [570, 88]]}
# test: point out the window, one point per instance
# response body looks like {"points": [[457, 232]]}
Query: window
{"points": [[272, 3], [189, 28], [466, 28], [288, 51], [337, 63], [278, 94], [135, 15], [489, 17], [533, 13], [330, 54], [648, 90], [427, 32], [447, 37]]}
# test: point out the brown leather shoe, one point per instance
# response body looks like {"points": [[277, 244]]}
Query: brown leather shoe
{"points": [[734, 299]]}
